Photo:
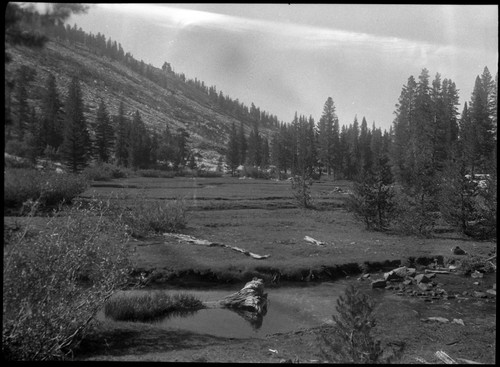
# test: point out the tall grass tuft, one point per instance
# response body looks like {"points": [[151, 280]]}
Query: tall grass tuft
{"points": [[150, 306], [106, 172], [55, 281], [151, 216]]}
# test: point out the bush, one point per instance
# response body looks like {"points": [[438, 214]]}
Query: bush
{"points": [[105, 172], [48, 188], [372, 201], [254, 172], [414, 215], [351, 341], [150, 306], [148, 217], [301, 188], [208, 174], [57, 280], [155, 173]]}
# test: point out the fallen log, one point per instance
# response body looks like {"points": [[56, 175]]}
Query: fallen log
{"points": [[312, 240], [444, 357], [196, 241]]}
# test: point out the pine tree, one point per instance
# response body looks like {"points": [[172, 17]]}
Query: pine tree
{"points": [[104, 134], [327, 136], [76, 144], [52, 116], [122, 137], [232, 153], [243, 145]]}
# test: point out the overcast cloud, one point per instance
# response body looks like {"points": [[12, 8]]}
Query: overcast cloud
{"points": [[288, 58]]}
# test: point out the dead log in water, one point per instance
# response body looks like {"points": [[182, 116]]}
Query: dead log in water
{"points": [[250, 298]]}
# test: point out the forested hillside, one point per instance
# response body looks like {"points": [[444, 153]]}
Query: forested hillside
{"points": [[168, 104]]}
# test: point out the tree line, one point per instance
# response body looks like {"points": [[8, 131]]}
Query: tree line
{"points": [[61, 129]]}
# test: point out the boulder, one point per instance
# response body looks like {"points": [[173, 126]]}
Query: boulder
{"points": [[493, 292], [379, 283], [422, 278], [476, 274], [424, 286], [458, 251], [400, 273]]}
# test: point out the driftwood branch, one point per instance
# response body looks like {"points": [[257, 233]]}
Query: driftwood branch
{"points": [[196, 241], [438, 271], [445, 357], [313, 241]]}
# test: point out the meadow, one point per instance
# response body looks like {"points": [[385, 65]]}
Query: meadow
{"points": [[261, 216]]}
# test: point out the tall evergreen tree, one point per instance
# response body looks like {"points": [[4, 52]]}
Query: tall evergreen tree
{"points": [[233, 151], [326, 136], [104, 134], [243, 145], [75, 148], [52, 116], [122, 128]]}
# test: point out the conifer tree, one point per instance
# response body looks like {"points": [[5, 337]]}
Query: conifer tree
{"points": [[104, 134], [122, 137], [232, 152], [76, 144], [242, 143], [52, 116], [327, 136]]}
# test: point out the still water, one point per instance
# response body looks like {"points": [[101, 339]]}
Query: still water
{"points": [[289, 308]]}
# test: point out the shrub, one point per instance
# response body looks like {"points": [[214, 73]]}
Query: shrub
{"points": [[255, 172], [372, 201], [414, 214], [17, 162], [301, 189], [105, 172], [351, 341], [208, 174], [150, 306], [48, 188], [155, 173], [57, 280], [148, 216]]}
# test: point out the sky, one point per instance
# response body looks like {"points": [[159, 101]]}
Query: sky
{"points": [[291, 58]]}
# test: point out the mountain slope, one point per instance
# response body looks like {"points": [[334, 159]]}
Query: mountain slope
{"points": [[179, 105]]}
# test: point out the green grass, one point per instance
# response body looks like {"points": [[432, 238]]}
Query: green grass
{"points": [[149, 306]]}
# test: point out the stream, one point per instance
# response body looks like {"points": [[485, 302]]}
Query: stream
{"points": [[290, 308]]}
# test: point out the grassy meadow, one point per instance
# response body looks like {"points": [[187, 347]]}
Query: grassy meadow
{"points": [[261, 216]]}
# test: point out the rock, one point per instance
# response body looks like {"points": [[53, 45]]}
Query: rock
{"points": [[430, 275], [465, 293], [476, 283], [424, 286], [494, 286], [422, 278], [365, 276], [493, 292], [476, 274], [379, 283], [458, 251], [359, 279], [480, 294], [400, 273], [407, 282], [458, 321], [389, 287]]}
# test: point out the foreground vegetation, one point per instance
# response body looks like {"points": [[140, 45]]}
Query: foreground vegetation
{"points": [[56, 279]]}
